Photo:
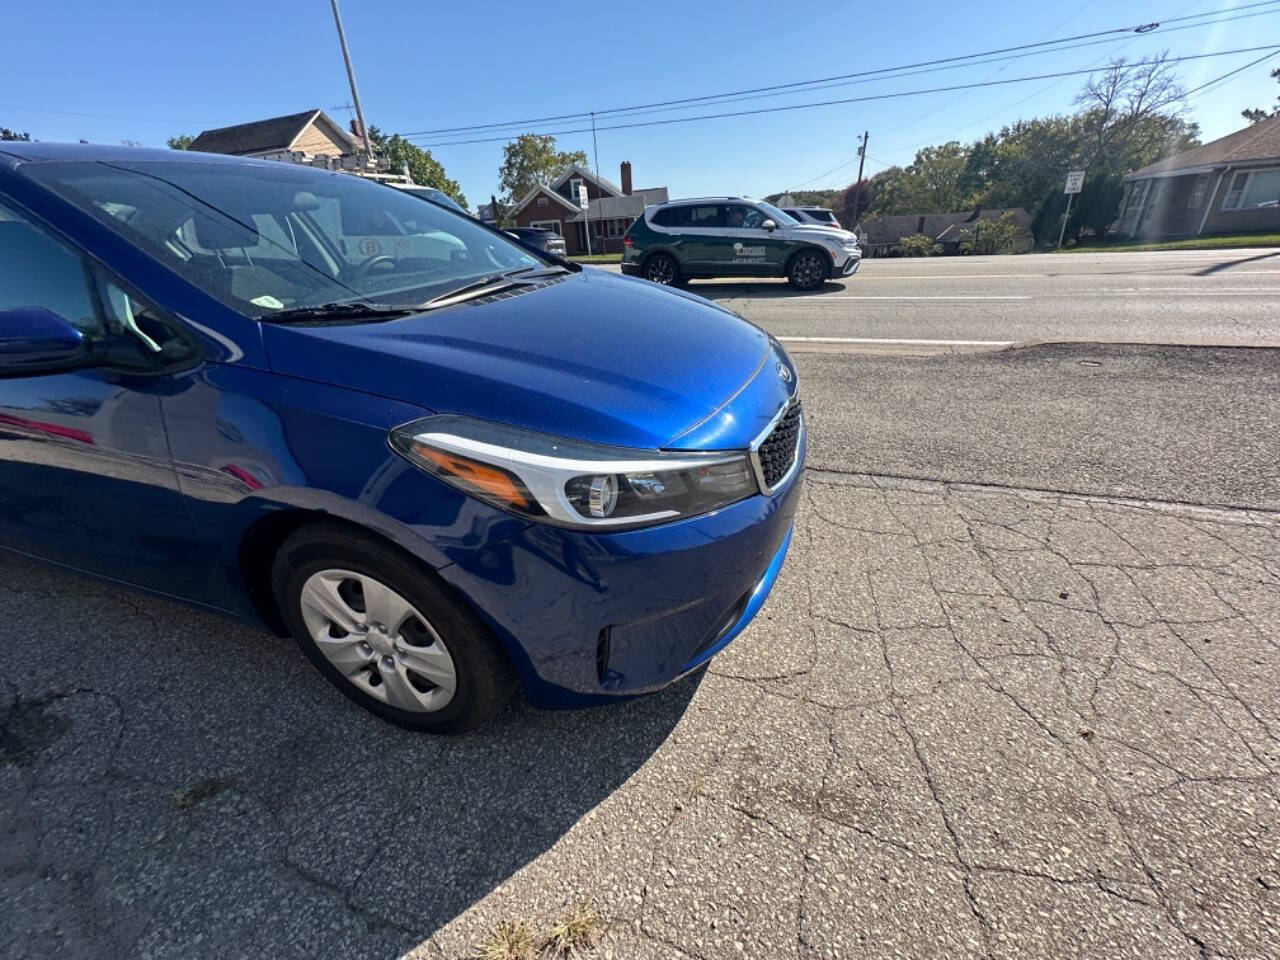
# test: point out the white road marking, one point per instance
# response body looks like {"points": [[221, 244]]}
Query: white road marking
{"points": [[891, 341], [901, 297]]}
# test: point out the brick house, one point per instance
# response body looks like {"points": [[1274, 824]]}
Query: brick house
{"points": [[1231, 185], [610, 208]]}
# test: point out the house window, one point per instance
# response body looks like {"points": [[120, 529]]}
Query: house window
{"points": [[574, 184], [1137, 193], [1197, 192], [1253, 190], [544, 202]]}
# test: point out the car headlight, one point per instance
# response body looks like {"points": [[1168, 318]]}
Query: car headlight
{"points": [[571, 483]]}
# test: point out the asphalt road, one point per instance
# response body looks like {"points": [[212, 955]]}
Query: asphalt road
{"points": [[1189, 297], [1016, 695]]}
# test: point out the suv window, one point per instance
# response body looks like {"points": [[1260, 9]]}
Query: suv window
{"points": [[705, 216], [743, 216]]}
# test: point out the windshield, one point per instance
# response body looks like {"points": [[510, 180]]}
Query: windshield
{"points": [[780, 217], [434, 195], [263, 238]]}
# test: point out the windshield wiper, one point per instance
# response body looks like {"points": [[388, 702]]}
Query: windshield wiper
{"points": [[337, 312], [492, 283]]}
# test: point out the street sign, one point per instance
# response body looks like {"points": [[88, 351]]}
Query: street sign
{"points": [[1075, 180], [582, 195]]}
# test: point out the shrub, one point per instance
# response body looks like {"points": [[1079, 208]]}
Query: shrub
{"points": [[991, 236], [918, 245]]}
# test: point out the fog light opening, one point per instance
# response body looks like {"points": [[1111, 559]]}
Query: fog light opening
{"points": [[603, 496]]}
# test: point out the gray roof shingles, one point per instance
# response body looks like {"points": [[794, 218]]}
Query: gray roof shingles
{"points": [[1258, 142], [275, 133]]}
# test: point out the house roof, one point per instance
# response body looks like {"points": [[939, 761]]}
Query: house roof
{"points": [[262, 136], [1255, 143], [582, 171], [547, 191], [939, 226]]}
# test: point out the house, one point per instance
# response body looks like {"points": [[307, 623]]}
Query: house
{"points": [[610, 209], [312, 133], [880, 235], [1231, 185]]}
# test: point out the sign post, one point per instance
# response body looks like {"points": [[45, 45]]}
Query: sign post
{"points": [[586, 220], [1075, 180]]}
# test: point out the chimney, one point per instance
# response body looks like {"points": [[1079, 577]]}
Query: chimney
{"points": [[626, 178]]}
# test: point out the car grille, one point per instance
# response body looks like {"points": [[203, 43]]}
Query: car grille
{"points": [[777, 453]]}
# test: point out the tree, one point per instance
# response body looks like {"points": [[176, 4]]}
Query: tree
{"points": [[843, 207], [182, 141], [1253, 116], [529, 160], [931, 184], [7, 134], [424, 169], [988, 237]]}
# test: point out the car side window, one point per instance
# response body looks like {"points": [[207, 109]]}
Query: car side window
{"points": [[38, 270], [672, 217], [709, 216], [742, 216]]}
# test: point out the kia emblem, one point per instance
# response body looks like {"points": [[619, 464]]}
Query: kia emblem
{"points": [[783, 372]]}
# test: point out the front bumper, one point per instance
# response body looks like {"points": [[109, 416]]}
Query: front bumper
{"points": [[588, 618], [850, 266]]}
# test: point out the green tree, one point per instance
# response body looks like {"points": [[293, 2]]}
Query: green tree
{"points": [[988, 237], [182, 141], [532, 159], [1253, 116], [931, 184], [7, 134], [843, 207], [424, 169]]}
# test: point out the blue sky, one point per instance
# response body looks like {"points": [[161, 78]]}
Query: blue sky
{"points": [[87, 70]]}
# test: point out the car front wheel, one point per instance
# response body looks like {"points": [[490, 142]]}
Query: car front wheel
{"points": [[386, 633], [662, 268], [807, 270]]}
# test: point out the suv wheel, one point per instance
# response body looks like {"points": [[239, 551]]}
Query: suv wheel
{"points": [[807, 270], [662, 268], [386, 633]]}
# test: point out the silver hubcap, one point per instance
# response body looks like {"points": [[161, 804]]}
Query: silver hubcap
{"points": [[378, 640]]}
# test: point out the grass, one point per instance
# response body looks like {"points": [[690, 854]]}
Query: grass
{"points": [[578, 930], [574, 933], [510, 940], [598, 258], [1190, 243]]}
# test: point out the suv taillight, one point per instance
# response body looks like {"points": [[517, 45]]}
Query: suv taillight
{"points": [[627, 241]]}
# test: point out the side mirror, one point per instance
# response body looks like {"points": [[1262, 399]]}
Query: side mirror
{"points": [[769, 225], [33, 340]]}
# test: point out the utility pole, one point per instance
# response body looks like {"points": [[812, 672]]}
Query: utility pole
{"points": [[342, 39], [595, 151], [857, 186]]}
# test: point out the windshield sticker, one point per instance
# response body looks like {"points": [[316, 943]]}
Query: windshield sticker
{"points": [[370, 246]]}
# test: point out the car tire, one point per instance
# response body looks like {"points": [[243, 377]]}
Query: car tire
{"points": [[336, 575], [663, 268], [808, 269]]}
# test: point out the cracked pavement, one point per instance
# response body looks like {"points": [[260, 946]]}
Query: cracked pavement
{"points": [[973, 720]]}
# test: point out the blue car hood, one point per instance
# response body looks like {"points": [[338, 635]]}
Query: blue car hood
{"points": [[591, 355]]}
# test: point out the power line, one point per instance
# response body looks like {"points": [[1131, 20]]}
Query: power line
{"points": [[800, 84], [863, 99]]}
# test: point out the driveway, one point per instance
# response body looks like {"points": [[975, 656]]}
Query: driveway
{"points": [[995, 707]]}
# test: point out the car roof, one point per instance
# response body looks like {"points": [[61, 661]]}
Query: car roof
{"points": [[29, 150], [675, 203]]}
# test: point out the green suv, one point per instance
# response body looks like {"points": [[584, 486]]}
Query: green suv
{"points": [[734, 237]]}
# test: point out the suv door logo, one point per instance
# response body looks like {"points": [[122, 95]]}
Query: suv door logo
{"points": [[783, 372]]}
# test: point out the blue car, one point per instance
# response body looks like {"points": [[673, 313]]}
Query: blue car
{"points": [[443, 464]]}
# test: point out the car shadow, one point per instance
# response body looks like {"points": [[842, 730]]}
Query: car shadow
{"points": [[758, 289], [178, 783]]}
